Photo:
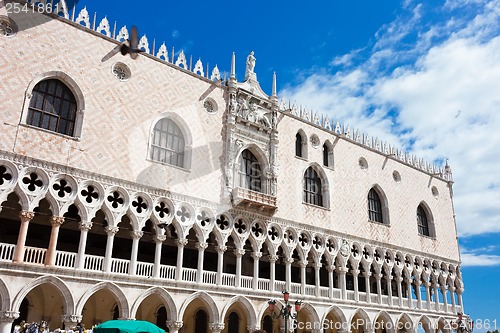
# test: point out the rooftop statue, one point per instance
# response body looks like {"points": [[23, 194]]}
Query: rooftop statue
{"points": [[249, 73]]}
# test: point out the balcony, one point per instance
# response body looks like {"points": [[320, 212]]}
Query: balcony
{"points": [[243, 197], [189, 278]]}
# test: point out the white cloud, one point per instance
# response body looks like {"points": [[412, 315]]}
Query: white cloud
{"points": [[479, 257], [446, 101]]}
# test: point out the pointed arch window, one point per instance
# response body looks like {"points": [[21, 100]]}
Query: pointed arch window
{"points": [[250, 174], [375, 207], [298, 145], [168, 144], [53, 107], [313, 188], [422, 221]]}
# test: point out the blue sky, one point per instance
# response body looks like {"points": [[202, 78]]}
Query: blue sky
{"points": [[423, 75]]}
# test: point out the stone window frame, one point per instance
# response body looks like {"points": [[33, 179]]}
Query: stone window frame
{"points": [[72, 86], [186, 133]]}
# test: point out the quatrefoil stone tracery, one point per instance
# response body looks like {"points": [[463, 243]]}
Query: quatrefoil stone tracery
{"points": [[33, 182], [257, 230], [240, 226], [140, 204], [115, 199], [4, 175], [203, 218], [62, 188], [222, 222], [162, 210], [183, 214], [90, 194]]}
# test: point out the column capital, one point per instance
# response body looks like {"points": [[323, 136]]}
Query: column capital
{"points": [[239, 252], [26, 216], [256, 255], [174, 325], [160, 238], [355, 272], [303, 263], [216, 327], [181, 242], [56, 221], [451, 288], [288, 261], [202, 246], [71, 318], [273, 258], [318, 265], [8, 316], [379, 276], [136, 234], [342, 270], [367, 274], [330, 268], [221, 249], [111, 230], [85, 226]]}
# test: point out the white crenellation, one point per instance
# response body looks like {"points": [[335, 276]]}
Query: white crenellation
{"points": [[83, 16], [181, 60], [198, 68], [215, 74], [104, 25], [122, 34], [162, 52], [144, 44]]}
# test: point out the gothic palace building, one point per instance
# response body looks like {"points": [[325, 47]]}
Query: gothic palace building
{"points": [[151, 189]]}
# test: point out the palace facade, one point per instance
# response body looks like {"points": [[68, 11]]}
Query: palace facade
{"points": [[151, 189]]}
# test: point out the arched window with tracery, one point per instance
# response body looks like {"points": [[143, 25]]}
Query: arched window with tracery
{"points": [[250, 172], [375, 207], [53, 107], [313, 188], [422, 221], [168, 145]]}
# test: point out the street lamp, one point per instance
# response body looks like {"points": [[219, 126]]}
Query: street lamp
{"points": [[286, 310]]}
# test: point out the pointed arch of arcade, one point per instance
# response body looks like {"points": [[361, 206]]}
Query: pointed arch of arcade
{"points": [[247, 305], [404, 317], [362, 313], [68, 301], [311, 311], [263, 308], [205, 298], [443, 325], [335, 310], [426, 323], [4, 297], [165, 297], [122, 301], [389, 327]]}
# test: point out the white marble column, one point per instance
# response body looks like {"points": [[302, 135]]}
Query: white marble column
{"points": [[408, 288], [288, 272], [378, 279], [355, 273], [399, 279], [25, 218], [181, 243], [272, 271], [56, 222], [331, 269], [159, 239], [367, 275], [111, 232], [436, 296], [303, 265], [389, 288], [80, 257], [427, 295], [419, 296], [342, 281], [445, 299], [220, 262], [136, 236], [256, 257], [201, 246], [452, 298], [460, 291], [238, 253], [317, 267]]}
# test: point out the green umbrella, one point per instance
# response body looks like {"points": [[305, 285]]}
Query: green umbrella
{"points": [[127, 326]]}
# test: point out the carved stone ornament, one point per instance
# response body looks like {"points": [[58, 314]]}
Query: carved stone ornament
{"points": [[344, 248]]}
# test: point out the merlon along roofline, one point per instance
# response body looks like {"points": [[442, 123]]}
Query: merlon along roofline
{"points": [[121, 35]]}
